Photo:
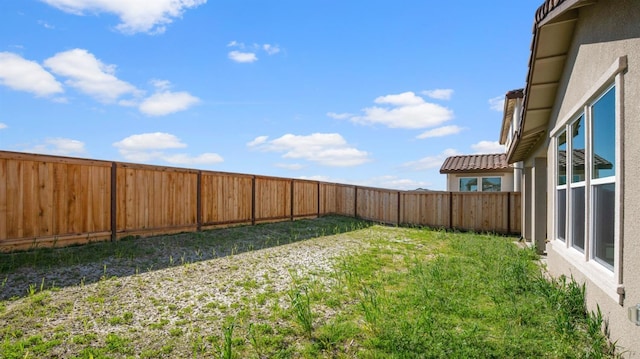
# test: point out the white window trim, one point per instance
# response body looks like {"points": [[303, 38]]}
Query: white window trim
{"points": [[611, 282]]}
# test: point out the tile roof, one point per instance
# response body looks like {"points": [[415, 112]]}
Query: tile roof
{"points": [[578, 158], [475, 163]]}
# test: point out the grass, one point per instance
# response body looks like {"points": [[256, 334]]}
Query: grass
{"points": [[397, 293]]}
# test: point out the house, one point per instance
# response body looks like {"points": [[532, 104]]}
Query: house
{"points": [[478, 173], [574, 129]]}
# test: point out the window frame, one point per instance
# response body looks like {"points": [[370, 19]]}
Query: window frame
{"points": [[467, 178], [609, 279]]}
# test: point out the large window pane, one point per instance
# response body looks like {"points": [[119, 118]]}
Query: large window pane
{"points": [[468, 184], [604, 136], [561, 211], [562, 159], [577, 218], [603, 223], [491, 184], [578, 151]]}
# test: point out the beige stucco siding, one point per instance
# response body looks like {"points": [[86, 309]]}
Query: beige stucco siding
{"points": [[605, 32]]}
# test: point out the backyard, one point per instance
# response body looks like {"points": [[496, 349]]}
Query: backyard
{"points": [[328, 287]]}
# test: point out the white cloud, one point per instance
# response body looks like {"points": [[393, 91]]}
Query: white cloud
{"points": [[339, 116], [258, 141], [403, 99], [20, 74], [147, 147], [150, 141], [271, 49], [243, 57], [203, 159], [89, 75], [405, 110], [394, 182], [328, 149], [441, 132], [160, 85], [430, 162], [164, 103], [135, 15], [46, 25], [290, 166], [439, 94], [488, 147], [249, 52], [3, 126], [497, 103], [59, 146]]}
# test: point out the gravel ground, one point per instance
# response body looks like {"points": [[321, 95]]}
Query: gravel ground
{"points": [[186, 290]]}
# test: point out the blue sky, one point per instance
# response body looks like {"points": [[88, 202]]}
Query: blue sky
{"points": [[375, 93]]}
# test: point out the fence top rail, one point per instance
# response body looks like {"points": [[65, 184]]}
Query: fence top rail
{"points": [[35, 157], [12, 155], [139, 166]]}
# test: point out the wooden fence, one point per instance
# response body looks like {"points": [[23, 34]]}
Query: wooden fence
{"points": [[56, 201]]}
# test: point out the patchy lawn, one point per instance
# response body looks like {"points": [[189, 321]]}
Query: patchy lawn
{"points": [[329, 287]]}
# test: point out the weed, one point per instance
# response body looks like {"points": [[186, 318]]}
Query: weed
{"points": [[226, 351], [301, 305]]}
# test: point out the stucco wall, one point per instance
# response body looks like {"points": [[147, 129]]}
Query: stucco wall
{"points": [[605, 31], [453, 180]]}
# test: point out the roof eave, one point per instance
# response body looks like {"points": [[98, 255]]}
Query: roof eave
{"points": [[552, 36]]}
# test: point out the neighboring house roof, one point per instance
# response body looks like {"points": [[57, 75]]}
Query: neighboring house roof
{"points": [[510, 99], [496, 162], [553, 29], [578, 158]]}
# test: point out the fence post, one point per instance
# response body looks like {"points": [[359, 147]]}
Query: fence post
{"points": [[253, 200], [508, 212], [291, 197], [450, 210], [199, 201], [114, 201], [355, 204], [318, 199], [398, 207]]}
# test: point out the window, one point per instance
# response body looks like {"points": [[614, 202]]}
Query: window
{"points": [[468, 184], [585, 173], [577, 155], [487, 184], [603, 177], [491, 184], [561, 188]]}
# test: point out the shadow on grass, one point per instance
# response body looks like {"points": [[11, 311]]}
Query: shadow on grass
{"points": [[50, 268]]}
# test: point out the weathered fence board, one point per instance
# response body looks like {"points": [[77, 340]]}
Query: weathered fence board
{"points": [[337, 199], [305, 198], [154, 199], [48, 201], [378, 205], [426, 209], [272, 199], [226, 198]]}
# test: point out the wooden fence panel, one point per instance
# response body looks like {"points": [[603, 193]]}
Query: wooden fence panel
{"points": [[305, 198], [378, 205], [272, 199], [153, 199], [425, 209], [485, 212], [337, 199], [515, 211], [226, 198], [47, 200]]}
